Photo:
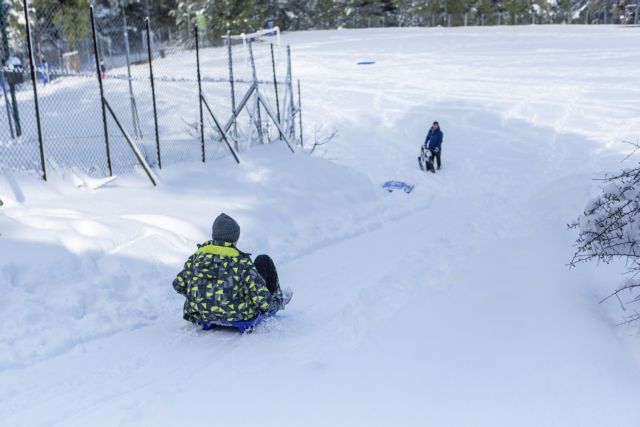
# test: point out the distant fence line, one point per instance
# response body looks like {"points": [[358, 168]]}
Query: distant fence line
{"points": [[188, 103], [626, 15]]}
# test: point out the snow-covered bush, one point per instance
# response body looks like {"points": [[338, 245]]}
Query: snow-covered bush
{"points": [[610, 229]]}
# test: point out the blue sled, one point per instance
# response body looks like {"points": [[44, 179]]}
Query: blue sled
{"points": [[397, 185], [241, 325], [366, 62]]}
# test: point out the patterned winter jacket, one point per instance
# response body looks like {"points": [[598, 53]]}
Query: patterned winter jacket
{"points": [[221, 283]]}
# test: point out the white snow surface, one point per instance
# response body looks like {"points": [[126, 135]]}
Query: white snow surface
{"points": [[449, 306]]}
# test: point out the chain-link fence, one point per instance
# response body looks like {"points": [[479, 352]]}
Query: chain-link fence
{"points": [[150, 97], [436, 14]]}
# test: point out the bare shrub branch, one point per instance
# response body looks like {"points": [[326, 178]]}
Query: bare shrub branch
{"points": [[322, 137], [609, 229]]}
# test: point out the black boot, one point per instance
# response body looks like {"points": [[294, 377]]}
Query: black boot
{"points": [[267, 269]]}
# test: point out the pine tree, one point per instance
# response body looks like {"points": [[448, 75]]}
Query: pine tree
{"points": [[12, 28], [406, 11], [236, 16], [486, 9], [328, 14], [367, 13], [73, 18], [297, 15], [564, 10]]}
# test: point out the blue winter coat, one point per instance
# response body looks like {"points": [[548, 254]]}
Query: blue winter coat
{"points": [[434, 139]]}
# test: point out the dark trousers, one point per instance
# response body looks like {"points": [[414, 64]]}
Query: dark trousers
{"points": [[267, 269], [436, 155]]}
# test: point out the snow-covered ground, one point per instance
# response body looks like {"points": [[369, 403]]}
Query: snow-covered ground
{"points": [[449, 306]]}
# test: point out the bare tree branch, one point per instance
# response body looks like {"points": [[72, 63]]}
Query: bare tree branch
{"points": [[609, 229], [636, 147], [320, 139]]}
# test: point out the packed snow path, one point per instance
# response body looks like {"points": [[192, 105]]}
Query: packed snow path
{"points": [[449, 306]]}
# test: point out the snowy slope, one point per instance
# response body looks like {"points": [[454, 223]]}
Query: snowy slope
{"points": [[449, 306]]}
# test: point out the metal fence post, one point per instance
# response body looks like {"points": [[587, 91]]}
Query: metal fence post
{"points": [[275, 85], [233, 90], [300, 114], [12, 87], [104, 113], [5, 56], [256, 84], [292, 128], [153, 91], [6, 102], [199, 92], [134, 148], [35, 88], [134, 108]]}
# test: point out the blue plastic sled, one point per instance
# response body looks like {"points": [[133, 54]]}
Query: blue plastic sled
{"points": [[366, 62], [242, 325], [397, 185]]}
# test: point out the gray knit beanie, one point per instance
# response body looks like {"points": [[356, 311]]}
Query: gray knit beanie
{"points": [[225, 229]]}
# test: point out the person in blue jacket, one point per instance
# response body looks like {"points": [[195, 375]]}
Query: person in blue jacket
{"points": [[433, 142]]}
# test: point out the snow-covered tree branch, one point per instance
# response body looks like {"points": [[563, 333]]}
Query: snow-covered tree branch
{"points": [[609, 228]]}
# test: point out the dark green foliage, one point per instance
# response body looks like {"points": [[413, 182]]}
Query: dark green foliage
{"points": [[75, 26], [67, 19]]}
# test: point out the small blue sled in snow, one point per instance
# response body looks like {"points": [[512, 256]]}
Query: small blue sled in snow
{"points": [[366, 62], [241, 325], [397, 185]]}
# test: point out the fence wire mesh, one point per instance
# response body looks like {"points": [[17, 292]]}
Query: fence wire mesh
{"points": [[138, 69]]}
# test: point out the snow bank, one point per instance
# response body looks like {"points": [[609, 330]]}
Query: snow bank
{"points": [[80, 263]]}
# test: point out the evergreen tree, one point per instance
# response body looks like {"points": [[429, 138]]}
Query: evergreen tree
{"points": [[435, 9], [236, 16], [516, 8], [564, 9], [367, 13], [328, 14], [73, 18], [486, 6], [13, 30], [454, 8], [409, 12], [298, 15]]}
